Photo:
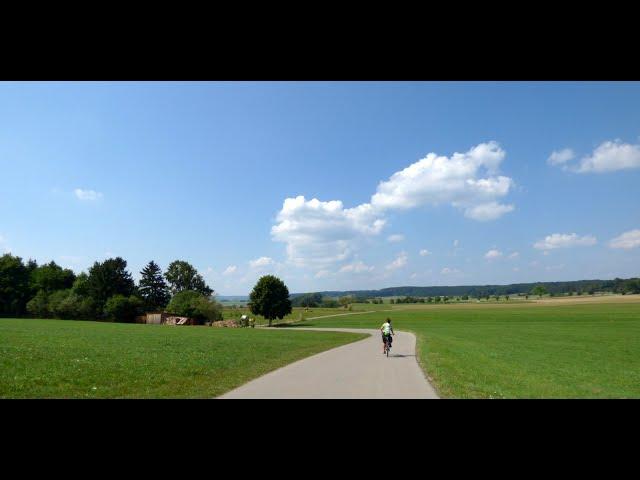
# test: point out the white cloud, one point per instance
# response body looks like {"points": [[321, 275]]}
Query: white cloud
{"points": [[357, 267], [564, 240], [413, 276], [611, 156], [261, 262], [424, 252], [319, 233], [449, 271], [488, 211], [230, 269], [561, 157], [399, 262], [627, 240], [87, 195], [453, 180], [455, 243], [395, 238], [493, 254], [514, 255], [516, 269]]}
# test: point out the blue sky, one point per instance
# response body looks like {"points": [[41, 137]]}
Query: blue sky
{"points": [[201, 171]]}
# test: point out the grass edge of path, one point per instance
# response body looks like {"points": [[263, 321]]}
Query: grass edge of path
{"points": [[433, 381], [358, 337], [219, 377]]}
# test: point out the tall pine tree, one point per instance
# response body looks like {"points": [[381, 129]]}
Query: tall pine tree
{"points": [[152, 287]]}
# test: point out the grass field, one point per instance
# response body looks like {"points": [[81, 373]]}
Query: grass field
{"points": [[298, 313], [552, 349], [73, 359]]}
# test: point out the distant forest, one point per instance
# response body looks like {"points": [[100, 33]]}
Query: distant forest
{"points": [[618, 285]]}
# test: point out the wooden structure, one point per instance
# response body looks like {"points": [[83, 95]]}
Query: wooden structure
{"points": [[163, 318]]}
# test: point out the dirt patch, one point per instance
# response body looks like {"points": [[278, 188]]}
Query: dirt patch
{"points": [[226, 323]]}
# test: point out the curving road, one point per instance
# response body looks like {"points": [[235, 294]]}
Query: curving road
{"points": [[356, 370]]}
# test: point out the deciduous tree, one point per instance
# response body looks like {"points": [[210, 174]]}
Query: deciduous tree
{"points": [[270, 298]]}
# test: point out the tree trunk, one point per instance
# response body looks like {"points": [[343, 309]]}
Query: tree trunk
{"points": [[269, 322]]}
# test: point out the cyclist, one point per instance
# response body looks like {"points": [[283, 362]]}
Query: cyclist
{"points": [[387, 331]]}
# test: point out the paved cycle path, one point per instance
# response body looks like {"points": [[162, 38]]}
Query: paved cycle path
{"points": [[356, 370]]}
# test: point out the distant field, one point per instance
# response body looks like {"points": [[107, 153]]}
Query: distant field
{"points": [[551, 349], [73, 359], [298, 313]]}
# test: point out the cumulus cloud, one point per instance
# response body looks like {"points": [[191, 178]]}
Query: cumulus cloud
{"points": [[322, 274], [230, 269], [453, 180], [357, 267], [493, 254], [424, 252], [561, 157], [611, 156], [564, 240], [87, 195], [395, 238], [627, 240], [321, 233], [399, 262], [514, 255], [488, 211], [261, 262]]}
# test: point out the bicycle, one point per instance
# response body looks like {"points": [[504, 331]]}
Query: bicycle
{"points": [[387, 344]]}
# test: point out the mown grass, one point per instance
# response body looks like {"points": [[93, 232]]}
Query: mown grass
{"points": [[74, 359], [521, 351], [297, 314]]}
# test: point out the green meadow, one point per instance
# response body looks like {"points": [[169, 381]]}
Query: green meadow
{"points": [[553, 349], [77, 359]]}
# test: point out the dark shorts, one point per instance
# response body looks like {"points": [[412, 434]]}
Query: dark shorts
{"points": [[387, 337]]}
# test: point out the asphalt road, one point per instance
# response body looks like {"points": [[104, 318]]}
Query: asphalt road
{"points": [[356, 370]]}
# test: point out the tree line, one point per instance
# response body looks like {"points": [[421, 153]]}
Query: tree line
{"points": [[317, 300], [617, 285], [106, 291]]}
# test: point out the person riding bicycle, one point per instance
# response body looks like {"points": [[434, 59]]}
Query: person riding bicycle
{"points": [[387, 331]]}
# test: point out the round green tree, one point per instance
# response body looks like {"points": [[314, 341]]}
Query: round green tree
{"points": [[270, 298], [182, 276], [539, 290], [190, 303]]}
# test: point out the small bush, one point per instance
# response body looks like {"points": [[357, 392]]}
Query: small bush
{"points": [[192, 304], [123, 309], [38, 306]]}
